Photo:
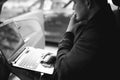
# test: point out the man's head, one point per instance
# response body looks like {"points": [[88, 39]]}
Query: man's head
{"points": [[85, 8]]}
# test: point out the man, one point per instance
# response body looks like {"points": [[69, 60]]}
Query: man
{"points": [[88, 50]]}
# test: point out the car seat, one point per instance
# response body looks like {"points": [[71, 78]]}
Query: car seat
{"points": [[117, 11]]}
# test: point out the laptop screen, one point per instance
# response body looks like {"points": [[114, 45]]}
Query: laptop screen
{"points": [[10, 39]]}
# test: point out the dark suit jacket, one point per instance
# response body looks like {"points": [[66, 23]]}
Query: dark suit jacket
{"points": [[89, 52]]}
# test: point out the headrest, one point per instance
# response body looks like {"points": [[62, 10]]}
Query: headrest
{"points": [[116, 2]]}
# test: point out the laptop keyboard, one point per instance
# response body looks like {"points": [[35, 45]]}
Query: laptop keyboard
{"points": [[31, 60]]}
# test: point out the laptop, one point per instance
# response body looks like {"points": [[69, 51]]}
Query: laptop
{"points": [[19, 54]]}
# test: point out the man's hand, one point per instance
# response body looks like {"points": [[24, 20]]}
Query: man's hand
{"points": [[73, 23], [48, 60]]}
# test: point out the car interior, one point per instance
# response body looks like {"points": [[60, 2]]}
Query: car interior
{"points": [[116, 12]]}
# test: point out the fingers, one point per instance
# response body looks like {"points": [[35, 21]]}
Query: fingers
{"points": [[79, 23], [48, 54], [50, 60], [46, 65], [82, 22], [46, 59], [73, 18]]}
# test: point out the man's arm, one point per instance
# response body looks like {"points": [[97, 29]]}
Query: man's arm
{"points": [[73, 58]]}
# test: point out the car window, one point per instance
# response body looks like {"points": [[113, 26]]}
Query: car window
{"points": [[57, 4]]}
